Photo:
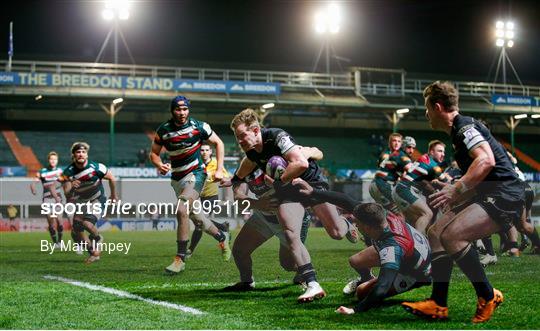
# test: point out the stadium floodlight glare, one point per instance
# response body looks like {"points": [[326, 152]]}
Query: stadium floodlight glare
{"points": [[535, 116], [505, 34], [116, 9], [107, 14], [520, 116], [328, 19], [117, 101], [268, 105], [38, 97], [402, 111]]}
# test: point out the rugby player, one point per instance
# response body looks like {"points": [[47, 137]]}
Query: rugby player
{"points": [[392, 163], [287, 221], [525, 227], [499, 202], [260, 144], [409, 146], [209, 193], [82, 183], [408, 191], [402, 252], [261, 226], [182, 137], [49, 178]]}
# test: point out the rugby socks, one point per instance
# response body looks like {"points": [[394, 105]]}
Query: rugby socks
{"points": [[441, 271], [94, 239], [181, 248], [60, 233], [514, 245], [195, 238], [307, 272], [504, 240], [468, 261], [53, 234], [221, 226], [365, 274], [488, 244], [220, 236]]}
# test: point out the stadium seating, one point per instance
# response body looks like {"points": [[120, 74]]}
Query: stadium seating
{"points": [[126, 145], [6, 155]]}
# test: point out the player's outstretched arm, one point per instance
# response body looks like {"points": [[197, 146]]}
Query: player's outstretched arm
{"points": [[379, 292], [336, 198], [245, 168], [220, 154]]}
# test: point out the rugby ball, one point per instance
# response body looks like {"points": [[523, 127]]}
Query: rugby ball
{"points": [[362, 291], [275, 167]]}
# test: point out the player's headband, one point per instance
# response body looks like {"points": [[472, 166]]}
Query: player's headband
{"points": [[179, 101], [79, 145]]}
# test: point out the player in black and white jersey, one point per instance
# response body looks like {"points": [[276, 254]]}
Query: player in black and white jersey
{"points": [[260, 144], [498, 203]]}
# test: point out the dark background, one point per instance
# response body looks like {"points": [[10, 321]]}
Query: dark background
{"points": [[454, 38]]}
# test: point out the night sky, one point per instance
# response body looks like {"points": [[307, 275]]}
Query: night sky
{"points": [[451, 38]]}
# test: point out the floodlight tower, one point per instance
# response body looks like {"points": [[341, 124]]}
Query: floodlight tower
{"points": [[327, 24], [114, 12], [505, 34]]}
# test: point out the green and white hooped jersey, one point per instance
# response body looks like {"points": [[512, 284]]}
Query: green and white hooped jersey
{"points": [[183, 143], [90, 176], [49, 178]]}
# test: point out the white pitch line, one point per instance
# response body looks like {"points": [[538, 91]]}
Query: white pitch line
{"points": [[124, 294]]}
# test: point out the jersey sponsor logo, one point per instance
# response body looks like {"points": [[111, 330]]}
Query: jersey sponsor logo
{"points": [[472, 137], [387, 255], [284, 143]]}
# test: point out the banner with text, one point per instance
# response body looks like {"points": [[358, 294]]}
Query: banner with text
{"points": [[137, 83]]}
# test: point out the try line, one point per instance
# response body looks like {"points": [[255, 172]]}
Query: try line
{"points": [[124, 294]]}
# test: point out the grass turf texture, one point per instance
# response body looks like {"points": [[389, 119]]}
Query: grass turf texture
{"points": [[27, 301]]}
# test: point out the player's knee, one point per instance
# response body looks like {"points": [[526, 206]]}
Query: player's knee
{"points": [[353, 262]]}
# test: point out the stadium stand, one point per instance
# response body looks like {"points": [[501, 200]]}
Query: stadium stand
{"points": [[6, 155], [126, 145]]}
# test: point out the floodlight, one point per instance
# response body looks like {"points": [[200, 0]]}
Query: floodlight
{"points": [[403, 111], [268, 105]]}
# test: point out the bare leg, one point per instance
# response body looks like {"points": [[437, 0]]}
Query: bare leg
{"points": [[335, 225]]}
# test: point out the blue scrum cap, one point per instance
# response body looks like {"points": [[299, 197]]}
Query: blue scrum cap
{"points": [[179, 101]]}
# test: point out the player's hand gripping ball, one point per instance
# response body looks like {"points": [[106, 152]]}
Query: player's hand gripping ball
{"points": [[275, 167]]}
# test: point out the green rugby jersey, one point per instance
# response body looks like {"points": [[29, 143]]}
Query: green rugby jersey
{"points": [[90, 176], [392, 164], [183, 144], [49, 178]]}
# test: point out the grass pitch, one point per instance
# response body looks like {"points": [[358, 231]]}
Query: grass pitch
{"points": [[28, 301]]}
